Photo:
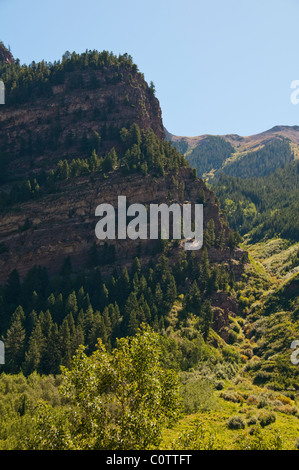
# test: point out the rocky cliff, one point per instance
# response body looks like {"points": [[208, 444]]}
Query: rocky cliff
{"points": [[55, 111], [48, 230], [76, 107]]}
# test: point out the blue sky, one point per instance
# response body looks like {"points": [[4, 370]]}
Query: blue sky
{"points": [[219, 66]]}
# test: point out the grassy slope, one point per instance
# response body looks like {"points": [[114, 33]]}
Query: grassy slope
{"points": [[269, 324]]}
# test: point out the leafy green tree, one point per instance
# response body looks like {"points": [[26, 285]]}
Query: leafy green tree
{"points": [[123, 399]]}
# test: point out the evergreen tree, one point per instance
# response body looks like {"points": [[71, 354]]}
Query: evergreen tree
{"points": [[71, 305], [207, 317], [65, 344], [15, 341], [35, 351], [133, 323], [171, 292], [204, 269], [52, 356]]}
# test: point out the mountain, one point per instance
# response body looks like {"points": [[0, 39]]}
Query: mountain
{"points": [[254, 177], [76, 134], [256, 155], [252, 142], [60, 110], [81, 132]]}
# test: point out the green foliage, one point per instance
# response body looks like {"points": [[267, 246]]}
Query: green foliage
{"points": [[265, 206], [44, 320], [121, 400], [196, 438], [23, 82], [197, 395], [236, 422], [258, 441], [261, 162], [145, 152], [209, 155], [141, 151], [19, 397]]}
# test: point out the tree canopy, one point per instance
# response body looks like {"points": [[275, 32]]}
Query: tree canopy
{"points": [[118, 400]]}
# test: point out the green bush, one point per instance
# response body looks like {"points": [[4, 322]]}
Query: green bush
{"points": [[197, 395], [252, 420], [236, 422], [266, 418]]}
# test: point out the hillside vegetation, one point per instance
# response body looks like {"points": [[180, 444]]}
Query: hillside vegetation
{"points": [[166, 349]]}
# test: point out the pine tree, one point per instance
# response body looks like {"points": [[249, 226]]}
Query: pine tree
{"points": [[133, 323], [171, 292], [88, 320], [107, 322], [193, 299], [77, 339], [207, 316], [71, 305], [209, 239], [15, 341], [97, 331], [34, 354], [159, 297], [52, 356], [204, 269], [65, 344], [124, 286]]}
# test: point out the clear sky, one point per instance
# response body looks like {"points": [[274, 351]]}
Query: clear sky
{"points": [[219, 66]]}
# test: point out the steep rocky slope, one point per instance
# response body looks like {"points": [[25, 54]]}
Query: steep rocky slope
{"points": [[59, 111], [90, 110], [69, 109], [63, 224]]}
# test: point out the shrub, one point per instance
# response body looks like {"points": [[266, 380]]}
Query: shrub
{"points": [[252, 420], [197, 395], [266, 418], [195, 438], [232, 396], [287, 409], [256, 440], [219, 385], [262, 377], [236, 422]]}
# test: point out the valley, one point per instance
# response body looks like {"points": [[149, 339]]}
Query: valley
{"points": [[96, 332]]}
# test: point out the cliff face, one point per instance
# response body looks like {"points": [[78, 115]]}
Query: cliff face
{"points": [[58, 118], [46, 231], [5, 54]]}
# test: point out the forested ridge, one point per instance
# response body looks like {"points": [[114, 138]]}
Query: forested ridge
{"points": [[210, 154], [264, 207], [261, 162], [23, 82]]}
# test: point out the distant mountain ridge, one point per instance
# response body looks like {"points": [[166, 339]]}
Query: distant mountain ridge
{"points": [[243, 142], [213, 154]]}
